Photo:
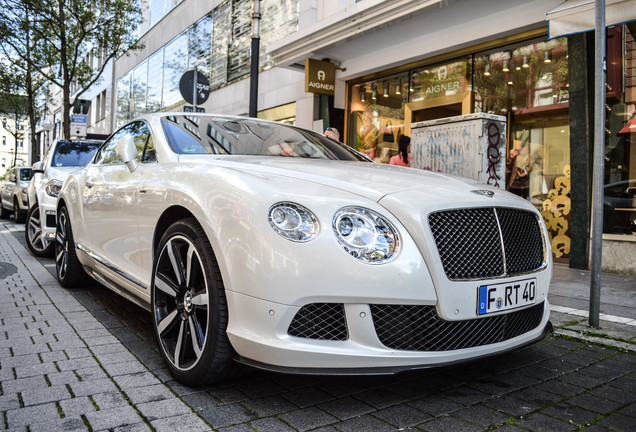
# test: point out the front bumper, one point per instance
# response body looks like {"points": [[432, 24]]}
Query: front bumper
{"points": [[259, 334], [47, 216]]}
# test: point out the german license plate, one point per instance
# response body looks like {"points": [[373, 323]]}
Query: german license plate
{"points": [[503, 296]]}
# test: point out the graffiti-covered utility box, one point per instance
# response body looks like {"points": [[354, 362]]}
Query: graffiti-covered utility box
{"points": [[471, 146]]}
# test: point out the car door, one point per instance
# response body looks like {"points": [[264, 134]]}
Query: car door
{"points": [[110, 196], [8, 188]]}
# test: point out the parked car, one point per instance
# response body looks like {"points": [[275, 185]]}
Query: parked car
{"points": [[266, 244], [13, 193], [63, 157]]}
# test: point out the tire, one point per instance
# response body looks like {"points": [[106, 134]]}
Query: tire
{"points": [[18, 215], [189, 308], [4, 213], [38, 245], [69, 270]]}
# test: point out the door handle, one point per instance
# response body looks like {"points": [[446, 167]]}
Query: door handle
{"points": [[89, 184]]}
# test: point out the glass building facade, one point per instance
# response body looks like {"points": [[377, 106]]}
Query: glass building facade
{"points": [[218, 45]]}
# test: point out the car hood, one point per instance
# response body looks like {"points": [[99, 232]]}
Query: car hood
{"points": [[373, 181], [60, 173]]}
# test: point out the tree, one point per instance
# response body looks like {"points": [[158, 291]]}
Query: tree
{"points": [[13, 105], [17, 41], [69, 34]]}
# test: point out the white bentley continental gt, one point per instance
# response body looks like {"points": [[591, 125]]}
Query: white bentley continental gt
{"points": [[259, 243]]}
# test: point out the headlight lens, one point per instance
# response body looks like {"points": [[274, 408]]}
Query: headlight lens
{"points": [[293, 221], [366, 235], [53, 188]]}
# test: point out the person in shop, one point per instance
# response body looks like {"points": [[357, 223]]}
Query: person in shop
{"points": [[332, 132], [519, 167], [403, 157]]}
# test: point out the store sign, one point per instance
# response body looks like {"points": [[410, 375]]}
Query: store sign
{"points": [[320, 77], [444, 80]]}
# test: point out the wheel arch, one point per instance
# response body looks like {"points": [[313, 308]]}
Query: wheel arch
{"points": [[171, 215]]}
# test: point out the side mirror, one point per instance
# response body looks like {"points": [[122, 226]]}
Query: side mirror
{"points": [[38, 167], [127, 152]]}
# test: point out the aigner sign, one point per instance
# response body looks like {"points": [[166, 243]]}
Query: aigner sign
{"points": [[320, 77]]}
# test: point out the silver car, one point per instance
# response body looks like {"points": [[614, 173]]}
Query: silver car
{"points": [[13, 192], [64, 157]]}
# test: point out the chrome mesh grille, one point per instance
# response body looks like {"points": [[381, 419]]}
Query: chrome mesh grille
{"points": [[419, 328], [469, 242], [522, 240], [324, 321]]}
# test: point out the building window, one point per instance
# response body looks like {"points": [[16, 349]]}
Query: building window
{"points": [[619, 204], [4, 140]]}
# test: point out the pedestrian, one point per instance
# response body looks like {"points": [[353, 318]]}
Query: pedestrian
{"points": [[332, 132], [404, 148]]}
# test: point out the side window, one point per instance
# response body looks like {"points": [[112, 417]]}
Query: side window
{"points": [[140, 133], [107, 154], [150, 155]]}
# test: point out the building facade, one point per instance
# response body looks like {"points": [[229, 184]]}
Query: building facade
{"points": [[12, 153], [401, 62]]}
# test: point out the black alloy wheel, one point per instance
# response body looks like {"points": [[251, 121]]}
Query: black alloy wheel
{"points": [[69, 270], [189, 307], [38, 245]]}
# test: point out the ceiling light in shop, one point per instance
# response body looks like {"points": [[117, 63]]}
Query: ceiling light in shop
{"points": [[385, 89], [547, 57], [374, 93], [505, 66], [398, 88]]}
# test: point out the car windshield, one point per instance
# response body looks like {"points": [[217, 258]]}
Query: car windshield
{"points": [[26, 174], [74, 153], [192, 134]]}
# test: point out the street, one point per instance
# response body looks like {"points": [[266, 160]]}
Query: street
{"points": [[86, 359]]}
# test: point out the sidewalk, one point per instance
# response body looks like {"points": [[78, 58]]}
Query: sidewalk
{"points": [[57, 360], [569, 299], [62, 369]]}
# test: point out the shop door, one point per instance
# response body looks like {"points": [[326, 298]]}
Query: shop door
{"points": [[441, 107]]}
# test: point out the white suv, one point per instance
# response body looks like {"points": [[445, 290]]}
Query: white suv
{"points": [[64, 157]]}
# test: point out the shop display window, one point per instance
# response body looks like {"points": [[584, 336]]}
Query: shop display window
{"points": [[619, 201], [377, 116]]}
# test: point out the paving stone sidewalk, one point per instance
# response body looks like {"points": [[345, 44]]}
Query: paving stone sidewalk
{"points": [[61, 369], [85, 360]]}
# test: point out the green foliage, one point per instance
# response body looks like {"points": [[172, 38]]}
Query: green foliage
{"points": [[72, 40]]}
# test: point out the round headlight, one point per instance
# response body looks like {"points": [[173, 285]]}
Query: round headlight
{"points": [[366, 235], [293, 221]]}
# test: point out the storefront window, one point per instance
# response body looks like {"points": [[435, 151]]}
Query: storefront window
{"points": [[377, 116], [619, 204]]}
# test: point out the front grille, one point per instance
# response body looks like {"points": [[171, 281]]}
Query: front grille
{"points": [[487, 242], [324, 321], [419, 328]]}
